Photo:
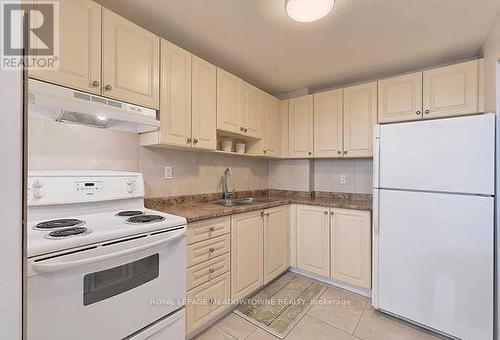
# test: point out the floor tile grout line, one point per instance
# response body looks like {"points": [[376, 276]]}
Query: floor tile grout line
{"points": [[361, 316], [327, 324], [222, 329]]}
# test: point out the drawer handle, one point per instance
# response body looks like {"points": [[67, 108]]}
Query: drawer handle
{"points": [[211, 249], [108, 87], [211, 229], [211, 270]]}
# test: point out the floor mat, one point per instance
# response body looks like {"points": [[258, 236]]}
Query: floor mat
{"points": [[279, 306]]}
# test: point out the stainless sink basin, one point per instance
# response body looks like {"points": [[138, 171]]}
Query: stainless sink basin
{"points": [[240, 201]]}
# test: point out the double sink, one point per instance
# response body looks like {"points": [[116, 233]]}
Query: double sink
{"points": [[241, 201]]}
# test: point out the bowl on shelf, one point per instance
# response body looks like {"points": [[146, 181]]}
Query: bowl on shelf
{"points": [[227, 145], [240, 147]]}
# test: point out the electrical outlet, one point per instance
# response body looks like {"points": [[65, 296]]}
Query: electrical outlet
{"points": [[343, 179], [169, 172]]}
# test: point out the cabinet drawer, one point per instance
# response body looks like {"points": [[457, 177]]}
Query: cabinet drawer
{"points": [[207, 250], [206, 301], [205, 230], [208, 270]]}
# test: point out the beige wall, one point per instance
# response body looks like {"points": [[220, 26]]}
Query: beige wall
{"points": [[291, 174], [359, 175], [491, 53], [199, 172], [59, 146]]}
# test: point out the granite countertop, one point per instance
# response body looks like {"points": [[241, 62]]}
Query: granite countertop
{"points": [[198, 207]]}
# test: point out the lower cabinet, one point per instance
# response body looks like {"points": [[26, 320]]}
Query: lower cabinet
{"points": [[351, 247], [276, 242], [246, 254], [313, 239], [334, 243]]}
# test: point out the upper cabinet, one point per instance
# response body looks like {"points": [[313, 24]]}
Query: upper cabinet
{"points": [[79, 47], [360, 115], [130, 61], [175, 101], [328, 129], [452, 90], [283, 118], [300, 127], [400, 98], [228, 102], [271, 125], [204, 104], [250, 111]]}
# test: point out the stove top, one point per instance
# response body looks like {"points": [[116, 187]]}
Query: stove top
{"points": [[64, 233], [143, 219], [60, 223], [129, 213]]}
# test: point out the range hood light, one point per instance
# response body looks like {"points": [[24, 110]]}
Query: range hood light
{"points": [[308, 10]]}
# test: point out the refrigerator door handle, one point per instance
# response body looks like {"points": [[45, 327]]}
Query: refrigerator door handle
{"points": [[376, 155], [376, 226]]}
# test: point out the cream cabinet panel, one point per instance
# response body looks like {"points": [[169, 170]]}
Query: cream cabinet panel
{"points": [[207, 250], [208, 229], [300, 123], [175, 101], [250, 111], [271, 125], [215, 292], [204, 104], [206, 271], [360, 115], [246, 253], [328, 129], [228, 102], [313, 239], [130, 61], [79, 47], [351, 247], [283, 125], [452, 90], [400, 98], [276, 242]]}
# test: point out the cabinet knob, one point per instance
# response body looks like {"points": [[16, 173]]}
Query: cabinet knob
{"points": [[268, 214], [265, 151], [262, 214], [339, 152], [195, 141], [326, 212], [309, 153], [418, 113], [345, 152], [95, 83], [108, 87], [242, 128], [245, 129], [188, 140], [211, 229], [211, 270], [211, 250], [427, 111], [332, 213]]}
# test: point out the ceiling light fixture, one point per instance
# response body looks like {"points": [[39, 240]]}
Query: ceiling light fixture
{"points": [[308, 10]]}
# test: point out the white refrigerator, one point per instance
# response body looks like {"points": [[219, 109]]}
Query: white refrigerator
{"points": [[433, 224]]}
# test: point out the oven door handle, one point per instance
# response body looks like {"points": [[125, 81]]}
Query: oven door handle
{"points": [[52, 267]]}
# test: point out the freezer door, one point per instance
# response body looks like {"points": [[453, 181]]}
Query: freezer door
{"points": [[449, 155], [435, 261]]}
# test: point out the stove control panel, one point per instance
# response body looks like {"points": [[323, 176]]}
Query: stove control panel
{"points": [[89, 187]]}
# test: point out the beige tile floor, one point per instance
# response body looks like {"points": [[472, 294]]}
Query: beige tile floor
{"points": [[349, 317]]}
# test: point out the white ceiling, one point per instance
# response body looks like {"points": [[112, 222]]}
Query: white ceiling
{"points": [[358, 40]]}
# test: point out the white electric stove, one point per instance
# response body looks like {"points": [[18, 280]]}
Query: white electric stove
{"points": [[95, 253]]}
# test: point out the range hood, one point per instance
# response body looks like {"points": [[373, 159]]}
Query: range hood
{"points": [[70, 106]]}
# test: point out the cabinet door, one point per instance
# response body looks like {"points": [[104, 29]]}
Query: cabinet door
{"points": [[175, 101], [452, 90], [400, 98], [270, 125], [360, 115], [351, 247], [276, 242], [246, 253], [250, 114], [283, 126], [328, 124], [130, 62], [228, 102], [313, 239], [204, 104], [300, 122], [79, 47]]}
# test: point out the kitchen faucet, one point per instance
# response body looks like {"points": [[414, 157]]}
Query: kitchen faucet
{"points": [[228, 195]]}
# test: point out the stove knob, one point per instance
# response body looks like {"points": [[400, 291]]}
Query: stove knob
{"points": [[130, 189], [129, 181], [39, 193], [38, 184]]}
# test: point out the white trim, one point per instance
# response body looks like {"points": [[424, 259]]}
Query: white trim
{"points": [[353, 289]]}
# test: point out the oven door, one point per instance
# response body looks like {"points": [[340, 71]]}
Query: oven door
{"points": [[108, 291]]}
